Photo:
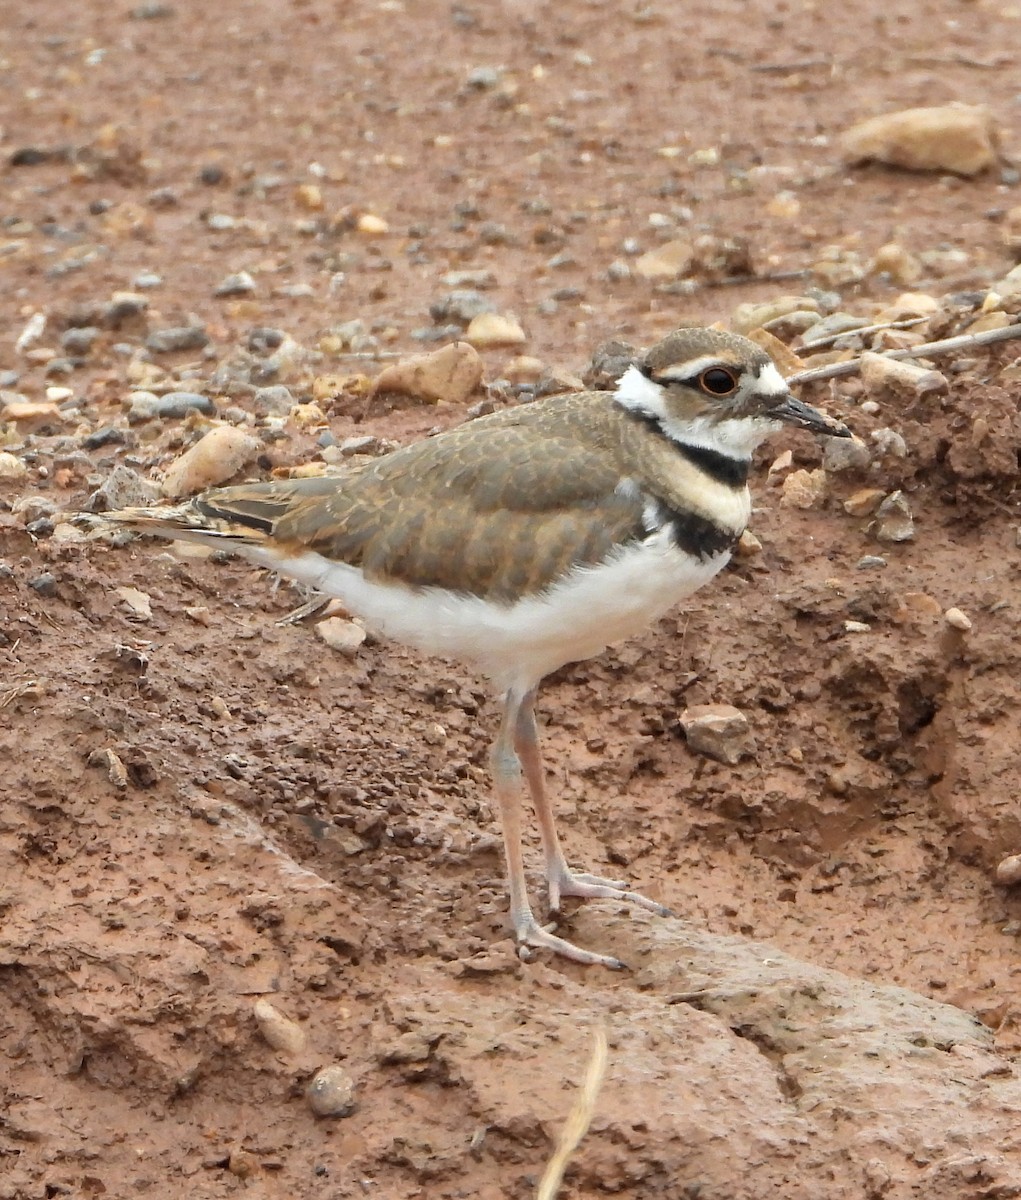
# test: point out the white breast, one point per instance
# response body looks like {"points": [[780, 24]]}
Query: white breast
{"points": [[517, 644]]}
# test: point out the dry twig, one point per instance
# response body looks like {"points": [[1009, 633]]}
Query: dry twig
{"points": [[835, 337], [578, 1120], [965, 341]]}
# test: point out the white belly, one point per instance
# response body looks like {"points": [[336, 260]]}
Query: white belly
{"points": [[517, 644]]}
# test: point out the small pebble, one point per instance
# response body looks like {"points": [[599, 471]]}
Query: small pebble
{"points": [[179, 404], [845, 454], [864, 502], [748, 545], [184, 337], [881, 373], [957, 619], [138, 603], [45, 584], [894, 521], [278, 1031], [107, 435], [122, 488], [462, 304], [804, 489], [952, 137], [1008, 870], [11, 467], [331, 1092], [343, 636], [79, 340], [369, 225], [489, 330], [719, 731], [238, 284], [668, 261]]}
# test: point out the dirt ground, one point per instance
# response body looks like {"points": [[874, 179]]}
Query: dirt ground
{"points": [[200, 808]]}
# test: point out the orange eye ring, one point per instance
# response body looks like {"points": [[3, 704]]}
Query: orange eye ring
{"points": [[718, 381]]}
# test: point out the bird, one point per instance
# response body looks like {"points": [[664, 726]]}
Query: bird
{"points": [[527, 539]]}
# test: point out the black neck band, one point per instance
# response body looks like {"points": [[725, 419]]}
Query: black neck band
{"points": [[721, 467]]}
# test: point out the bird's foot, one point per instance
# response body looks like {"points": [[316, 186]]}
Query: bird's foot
{"points": [[533, 936], [565, 882]]}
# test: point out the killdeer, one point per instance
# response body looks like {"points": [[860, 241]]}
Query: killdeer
{"points": [[527, 539]]}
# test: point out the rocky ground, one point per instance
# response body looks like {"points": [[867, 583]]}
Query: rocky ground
{"points": [[253, 933]]}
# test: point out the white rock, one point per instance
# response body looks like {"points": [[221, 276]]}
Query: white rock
{"points": [[278, 1031], [214, 459], [137, 602], [1009, 286], [338, 634], [11, 467], [957, 619], [1008, 870], [32, 332]]}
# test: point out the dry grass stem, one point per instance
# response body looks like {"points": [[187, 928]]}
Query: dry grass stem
{"points": [[966, 341], [578, 1120]]}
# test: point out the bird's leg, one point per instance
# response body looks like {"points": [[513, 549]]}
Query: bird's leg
{"points": [[560, 879], [507, 786]]}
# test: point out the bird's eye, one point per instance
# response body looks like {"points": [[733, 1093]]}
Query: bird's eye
{"points": [[718, 381]]}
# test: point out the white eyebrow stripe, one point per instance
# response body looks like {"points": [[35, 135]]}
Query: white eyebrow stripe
{"points": [[680, 372]]}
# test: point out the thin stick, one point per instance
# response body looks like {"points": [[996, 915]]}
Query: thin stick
{"points": [[578, 1120], [834, 337], [965, 341]]}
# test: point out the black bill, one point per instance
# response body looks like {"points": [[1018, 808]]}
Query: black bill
{"points": [[804, 416]]}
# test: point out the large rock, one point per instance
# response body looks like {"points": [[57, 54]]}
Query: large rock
{"points": [[451, 373], [954, 137], [214, 459]]}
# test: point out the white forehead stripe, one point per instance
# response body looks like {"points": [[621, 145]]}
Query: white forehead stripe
{"points": [[771, 382], [639, 394]]}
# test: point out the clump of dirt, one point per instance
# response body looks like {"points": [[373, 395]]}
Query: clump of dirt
{"points": [[238, 222]]}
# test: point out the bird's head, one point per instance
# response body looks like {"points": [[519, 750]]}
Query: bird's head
{"points": [[717, 390]]}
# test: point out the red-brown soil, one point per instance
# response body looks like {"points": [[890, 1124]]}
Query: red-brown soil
{"points": [[291, 823]]}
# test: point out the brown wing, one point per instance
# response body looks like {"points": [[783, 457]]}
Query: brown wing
{"points": [[492, 511]]}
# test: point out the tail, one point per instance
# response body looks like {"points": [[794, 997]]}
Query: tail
{"points": [[184, 522], [246, 515]]}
